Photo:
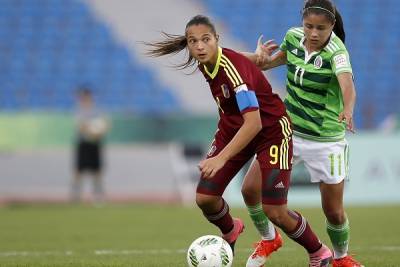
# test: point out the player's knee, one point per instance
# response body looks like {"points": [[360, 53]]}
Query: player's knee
{"points": [[276, 216], [250, 194], [205, 201], [336, 217]]}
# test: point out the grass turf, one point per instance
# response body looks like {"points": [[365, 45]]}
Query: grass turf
{"points": [[158, 235]]}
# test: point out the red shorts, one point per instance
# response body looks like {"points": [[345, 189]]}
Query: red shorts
{"points": [[217, 184], [275, 161], [273, 147], [275, 186]]}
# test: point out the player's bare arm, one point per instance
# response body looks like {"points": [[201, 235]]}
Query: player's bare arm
{"points": [[349, 98], [250, 128], [263, 55], [255, 56]]}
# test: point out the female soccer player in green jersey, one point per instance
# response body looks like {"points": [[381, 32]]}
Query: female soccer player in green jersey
{"points": [[320, 102]]}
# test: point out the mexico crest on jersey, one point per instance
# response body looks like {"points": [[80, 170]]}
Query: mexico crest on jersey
{"points": [[225, 91], [318, 62]]}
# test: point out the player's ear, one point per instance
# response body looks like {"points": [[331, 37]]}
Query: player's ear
{"points": [[217, 37]]}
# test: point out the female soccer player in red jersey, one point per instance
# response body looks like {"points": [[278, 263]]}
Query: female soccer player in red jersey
{"points": [[253, 121]]}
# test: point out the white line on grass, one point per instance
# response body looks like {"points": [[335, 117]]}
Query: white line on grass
{"points": [[154, 251], [102, 252], [136, 251], [34, 253]]}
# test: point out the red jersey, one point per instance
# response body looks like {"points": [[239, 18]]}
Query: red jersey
{"points": [[234, 73]]}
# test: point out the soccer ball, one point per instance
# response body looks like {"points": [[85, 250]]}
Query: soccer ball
{"points": [[209, 251]]}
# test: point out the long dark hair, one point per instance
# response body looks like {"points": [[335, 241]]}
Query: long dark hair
{"points": [[327, 8], [173, 44]]}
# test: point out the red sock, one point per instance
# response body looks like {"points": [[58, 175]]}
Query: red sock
{"points": [[303, 234], [222, 219]]}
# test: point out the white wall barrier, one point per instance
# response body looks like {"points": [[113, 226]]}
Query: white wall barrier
{"points": [[160, 172]]}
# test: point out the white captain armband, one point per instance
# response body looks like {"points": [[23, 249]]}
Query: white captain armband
{"points": [[245, 98]]}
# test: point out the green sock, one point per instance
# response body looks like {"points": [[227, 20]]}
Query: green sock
{"points": [[340, 236], [261, 222]]}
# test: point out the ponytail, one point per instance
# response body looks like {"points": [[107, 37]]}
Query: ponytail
{"points": [[173, 44], [338, 29]]}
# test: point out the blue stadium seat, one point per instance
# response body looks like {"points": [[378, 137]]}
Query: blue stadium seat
{"points": [[48, 48]]}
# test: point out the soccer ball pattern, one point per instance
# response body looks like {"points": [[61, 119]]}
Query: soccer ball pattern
{"points": [[209, 251]]}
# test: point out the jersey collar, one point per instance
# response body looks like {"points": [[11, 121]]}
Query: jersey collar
{"points": [[307, 55], [215, 71], [333, 35]]}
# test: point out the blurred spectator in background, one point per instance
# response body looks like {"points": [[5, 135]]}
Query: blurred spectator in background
{"points": [[92, 127], [368, 111], [389, 124]]}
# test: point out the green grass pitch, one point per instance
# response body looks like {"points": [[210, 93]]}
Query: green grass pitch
{"points": [[158, 235]]}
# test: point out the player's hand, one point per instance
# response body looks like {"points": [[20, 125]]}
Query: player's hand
{"points": [[264, 51], [209, 167], [347, 117]]}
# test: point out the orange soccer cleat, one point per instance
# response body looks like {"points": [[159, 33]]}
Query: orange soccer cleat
{"points": [[263, 249], [347, 261]]}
